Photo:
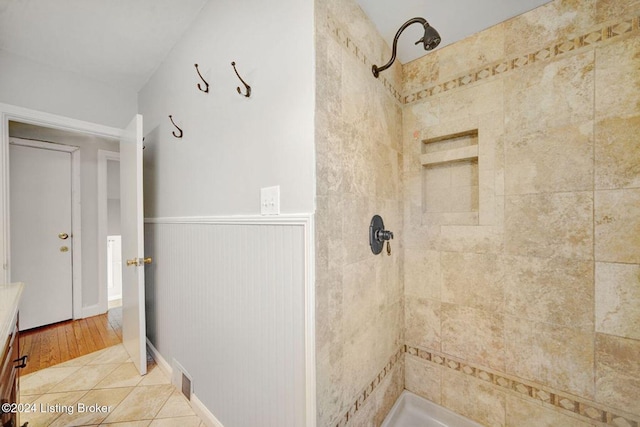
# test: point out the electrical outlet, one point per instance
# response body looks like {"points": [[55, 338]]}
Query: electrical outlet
{"points": [[270, 200]]}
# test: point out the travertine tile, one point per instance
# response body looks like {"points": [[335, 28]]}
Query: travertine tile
{"points": [[479, 99], [142, 403], [177, 406], [330, 251], [93, 399], [525, 413], [85, 378], [420, 73], [329, 308], [618, 372], [489, 203], [114, 354], [421, 237], [453, 218], [422, 274], [155, 376], [616, 73], [480, 239], [557, 20], [549, 95], [43, 381], [359, 279], [418, 119], [617, 153], [451, 187], [125, 375], [550, 290], [368, 349], [472, 52], [192, 421], [331, 397], [473, 398], [550, 160], [617, 226], [615, 9], [473, 280], [558, 356], [549, 225], [422, 322], [473, 335], [423, 378], [356, 217], [143, 423], [80, 361], [50, 406], [378, 405], [618, 299]]}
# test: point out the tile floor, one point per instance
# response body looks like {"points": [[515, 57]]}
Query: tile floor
{"points": [[67, 394]]}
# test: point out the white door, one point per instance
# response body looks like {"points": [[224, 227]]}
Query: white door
{"points": [[132, 228], [41, 242]]}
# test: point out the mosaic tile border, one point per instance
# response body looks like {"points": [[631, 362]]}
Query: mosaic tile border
{"points": [[583, 408], [547, 53], [364, 395], [344, 38]]}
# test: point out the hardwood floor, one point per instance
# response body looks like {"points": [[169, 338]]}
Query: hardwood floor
{"points": [[57, 343]]}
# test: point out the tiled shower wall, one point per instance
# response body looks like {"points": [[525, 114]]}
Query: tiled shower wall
{"points": [[359, 160], [522, 299]]}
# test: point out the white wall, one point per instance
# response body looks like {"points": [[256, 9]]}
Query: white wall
{"points": [[217, 294], [232, 145], [89, 147], [113, 197], [40, 87]]}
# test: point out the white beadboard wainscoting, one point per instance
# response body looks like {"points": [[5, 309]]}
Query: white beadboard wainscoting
{"points": [[231, 301]]}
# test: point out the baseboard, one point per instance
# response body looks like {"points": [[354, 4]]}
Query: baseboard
{"points": [[92, 310], [198, 407], [162, 364], [203, 412]]}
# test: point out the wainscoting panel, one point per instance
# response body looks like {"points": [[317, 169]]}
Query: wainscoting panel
{"points": [[227, 302]]}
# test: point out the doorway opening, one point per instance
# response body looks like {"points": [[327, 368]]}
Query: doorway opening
{"points": [[110, 234], [89, 287], [90, 298]]}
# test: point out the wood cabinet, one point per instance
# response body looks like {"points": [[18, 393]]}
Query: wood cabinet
{"points": [[9, 371]]}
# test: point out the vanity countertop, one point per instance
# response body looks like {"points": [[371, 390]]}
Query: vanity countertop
{"points": [[9, 298]]}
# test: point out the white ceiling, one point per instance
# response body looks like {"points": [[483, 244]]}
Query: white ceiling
{"points": [[122, 42], [453, 19]]}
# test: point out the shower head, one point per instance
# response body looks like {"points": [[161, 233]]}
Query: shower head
{"points": [[431, 39]]}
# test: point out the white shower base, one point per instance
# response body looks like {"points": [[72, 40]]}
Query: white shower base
{"points": [[411, 410]]}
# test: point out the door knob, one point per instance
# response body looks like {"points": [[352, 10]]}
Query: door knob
{"points": [[63, 236], [138, 261]]}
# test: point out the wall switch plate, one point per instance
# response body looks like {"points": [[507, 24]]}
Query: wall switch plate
{"points": [[270, 200]]}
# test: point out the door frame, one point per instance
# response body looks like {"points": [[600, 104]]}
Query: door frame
{"points": [[39, 118], [76, 217], [103, 157]]}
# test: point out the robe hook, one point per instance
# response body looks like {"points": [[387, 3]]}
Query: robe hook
{"points": [[248, 88], [174, 132], [206, 89]]}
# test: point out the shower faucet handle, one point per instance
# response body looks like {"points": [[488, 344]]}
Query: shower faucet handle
{"points": [[384, 235], [378, 235]]}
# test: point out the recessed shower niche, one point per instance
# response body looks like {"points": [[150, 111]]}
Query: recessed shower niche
{"points": [[450, 188]]}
